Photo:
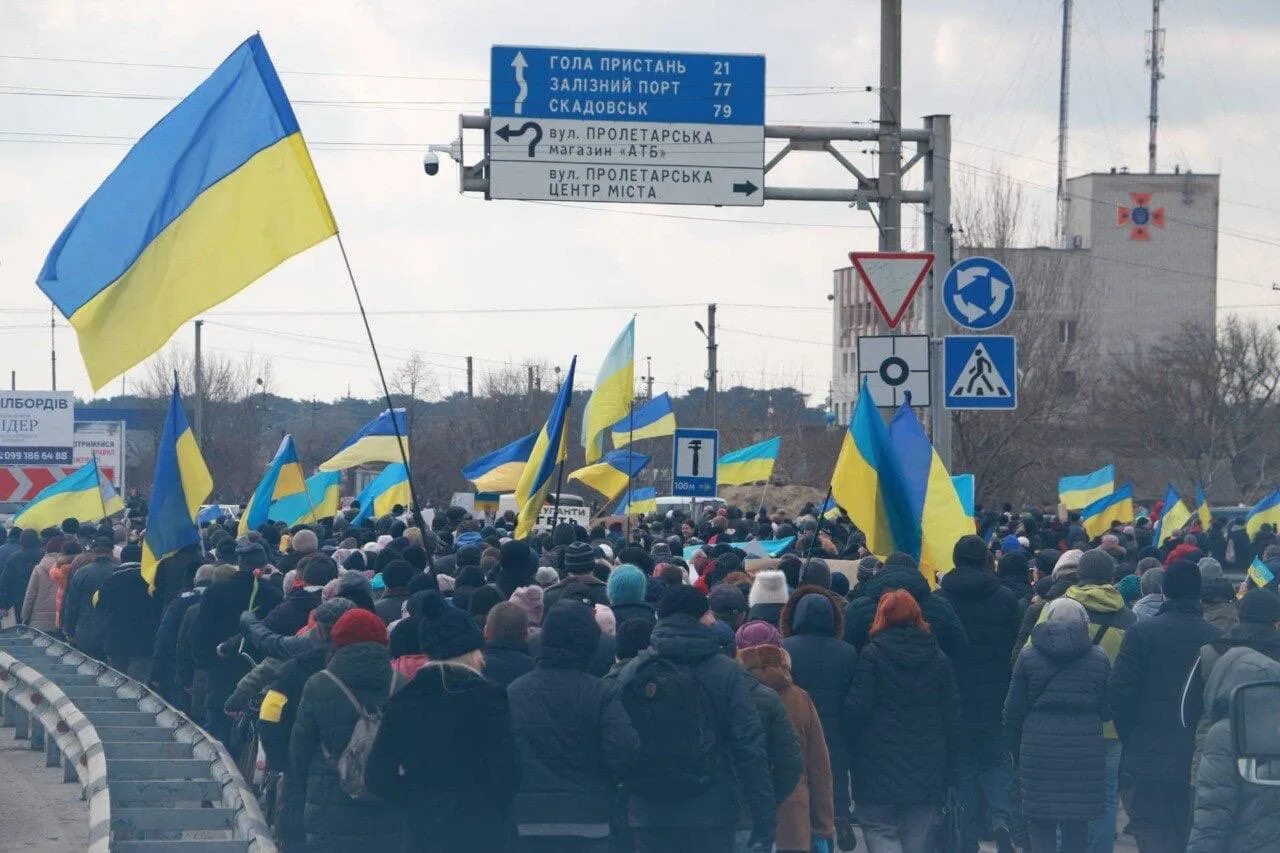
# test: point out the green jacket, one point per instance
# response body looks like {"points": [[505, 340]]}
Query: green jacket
{"points": [[333, 820]]}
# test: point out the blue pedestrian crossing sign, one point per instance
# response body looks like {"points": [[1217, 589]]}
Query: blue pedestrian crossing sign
{"points": [[980, 371], [978, 293]]}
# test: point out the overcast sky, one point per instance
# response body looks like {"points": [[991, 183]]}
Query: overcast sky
{"points": [[420, 248]]}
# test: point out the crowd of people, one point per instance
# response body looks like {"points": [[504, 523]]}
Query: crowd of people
{"points": [[644, 687]]}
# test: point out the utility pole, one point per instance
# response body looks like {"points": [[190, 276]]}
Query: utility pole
{"points": [[1155, 61], [648, 379], [889, 183], [470, 379], [530, 370], [937, 239], [199, 384], [1064, 87], [711, 364], [53, 353]]}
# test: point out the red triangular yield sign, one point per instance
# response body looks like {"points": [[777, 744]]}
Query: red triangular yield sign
{"points": [[892, 279]]}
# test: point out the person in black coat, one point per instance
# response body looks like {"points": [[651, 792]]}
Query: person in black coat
{"points": [[900, 572], [1053, 718], [903, 713], [16, 572], [580, 582], [506, 648], [444, 753], [83, 623], [989, 612], [132, 616], [823, 666], [1145, 693], [575, 739], [292, 613], [164, 655], [706, 822], [395, 578]]}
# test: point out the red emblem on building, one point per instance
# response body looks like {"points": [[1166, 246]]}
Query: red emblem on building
{"points": [[1140, 217]]}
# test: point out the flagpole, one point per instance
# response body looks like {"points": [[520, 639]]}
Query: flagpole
{"points": [[631, 443], [386, 391], [818, 530], [555, 513]]}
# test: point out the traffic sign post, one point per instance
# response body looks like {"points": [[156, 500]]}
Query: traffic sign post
{"points": [[981, 371], [978, 293], [637, 127], [694, 461], [892, 279], [894, 365]]}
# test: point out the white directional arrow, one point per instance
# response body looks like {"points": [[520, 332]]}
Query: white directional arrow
{"points": [[999, 293], [520, 64]]}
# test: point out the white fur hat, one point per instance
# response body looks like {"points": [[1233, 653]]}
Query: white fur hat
{"points": [[769, 587]]}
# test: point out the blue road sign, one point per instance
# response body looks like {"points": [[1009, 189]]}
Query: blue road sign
{"points": [[626, 85], [694, 458], [980, 371], [978, 293]]}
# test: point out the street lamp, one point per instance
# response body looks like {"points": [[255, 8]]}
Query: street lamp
{"points": [[710, 373]]}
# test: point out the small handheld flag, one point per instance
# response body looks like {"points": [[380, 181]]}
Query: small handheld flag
{"points": [[1260, 573]]}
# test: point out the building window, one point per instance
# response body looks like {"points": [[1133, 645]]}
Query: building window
{"points": [[1067, 331]]}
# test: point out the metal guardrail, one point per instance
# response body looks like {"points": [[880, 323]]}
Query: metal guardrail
{"points": [[153, 779]]}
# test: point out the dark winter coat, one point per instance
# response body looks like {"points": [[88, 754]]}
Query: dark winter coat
{"points": [[938, 612], [1232, 815], [575, 741], [81, 621], [276, 716], [292, 613], [505, 662], [220, 610], [333, 820], [637, 610], [130, 612], [744, 764], [16, 576], [389, 608], [164, 654], [601, 662], [1031, 616], [583, 587], [766, 612], [989, 612], [1218, 604], [903, 715], [446, 757], [822, 665], [267, 643], [1053, 719], [1145, 692]]}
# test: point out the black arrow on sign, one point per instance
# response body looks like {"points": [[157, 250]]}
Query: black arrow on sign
{"points": [[506, 133], [746, 188]]}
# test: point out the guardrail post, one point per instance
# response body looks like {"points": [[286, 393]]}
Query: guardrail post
{"points": [[9, 705], [37, 735], [52, 755], [69, 770], [21, 723]]}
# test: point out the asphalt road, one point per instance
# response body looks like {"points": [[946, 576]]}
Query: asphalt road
{"points": [[38, 812]]}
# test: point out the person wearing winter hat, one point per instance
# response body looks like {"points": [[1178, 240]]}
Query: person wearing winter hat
{"points": [[546, 576], [530, 599], [626, 589], [633, 638], [448, 716], [563, 717], [1130, 587], [1151, 587], [506, 649], [1060, 576], [580, 581], [728, 604], [768, 596], [355, 586], [1013, 572], [1145, 691], [517, 566], [815, 572], [1217, 595], [358, 673], [740, 769]]}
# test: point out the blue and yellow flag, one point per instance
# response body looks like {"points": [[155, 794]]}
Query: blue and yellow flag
{"points": [[1260, 573], [373, 442], [638, 501], [80, 495], [283, 477], [549, 450], [863, 470], [830, 509], [218, 193], [1173, 517], [386, 491], [966, 488], [320, 500], [1265, 511], [1203, 512], [611, 399], [928, 493], [654, 419], [752, 464], [1079, 492], [499, 470], [1096, 518], [611, 475], [180, 485]]}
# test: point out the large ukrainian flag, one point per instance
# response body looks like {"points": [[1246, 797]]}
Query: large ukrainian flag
{"points": [[549, 450], [611, 399], [373, 442], [612, 474], [82, 495], [654, 419], [180, 485], [1265, 511], [858, 483], [220, 191], [931, 498], [752, 464], [1117, 506], [499, 470], [1079, 492], [320, 500], [384, 492], [283, 477]]}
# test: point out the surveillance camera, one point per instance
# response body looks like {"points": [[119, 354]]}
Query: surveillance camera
{"points": [[431, 162]]}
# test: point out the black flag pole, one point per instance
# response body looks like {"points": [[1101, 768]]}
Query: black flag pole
{"points": [[386, 391]]}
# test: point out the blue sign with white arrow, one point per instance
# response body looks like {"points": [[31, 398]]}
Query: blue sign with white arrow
{"points": [[978, 293], [980, 371]]}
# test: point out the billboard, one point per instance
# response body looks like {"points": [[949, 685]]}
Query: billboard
{"points": [[36, 427]]}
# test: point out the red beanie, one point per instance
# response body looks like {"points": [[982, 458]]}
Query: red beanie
{"points": [[358, 626]]}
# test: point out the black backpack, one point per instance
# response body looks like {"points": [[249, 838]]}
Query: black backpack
{"points": [[671, 712]]}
